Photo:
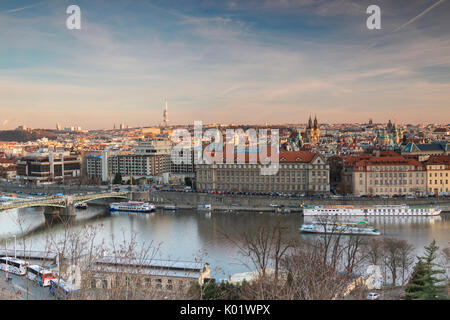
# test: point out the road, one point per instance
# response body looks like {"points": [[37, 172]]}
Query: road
{"points": [[21, 288]]}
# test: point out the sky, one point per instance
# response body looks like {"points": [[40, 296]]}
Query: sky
{"points": [[223, 61]]}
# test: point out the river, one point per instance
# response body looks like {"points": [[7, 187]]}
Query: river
{"points": [[186, 235]]}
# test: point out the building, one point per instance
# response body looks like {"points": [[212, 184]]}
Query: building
{"points": [[389, 175], [154, 131], [46, 165], [438, 170], [151, 158], [96, 165], [168, 277], [8, 168], [22, 128], [299, 172], [313, 131], [139, 166], [425, 150]]}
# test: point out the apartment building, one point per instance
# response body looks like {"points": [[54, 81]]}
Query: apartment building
{"points": [[47, 165], [389, 175], [299, 172], [438, 171], [151, 158], [96, 165]]}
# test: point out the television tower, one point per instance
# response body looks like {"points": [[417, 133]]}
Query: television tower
{"points": [[166, 114]]}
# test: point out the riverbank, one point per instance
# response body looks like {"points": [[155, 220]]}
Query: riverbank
{"points": [[190, 200]]}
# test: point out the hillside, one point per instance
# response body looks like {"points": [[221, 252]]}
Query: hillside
{"points": [[23, 136]]}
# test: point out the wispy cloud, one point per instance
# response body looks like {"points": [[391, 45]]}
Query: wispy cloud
{"points": [[23, 8], [243, 65], [419, 15]]}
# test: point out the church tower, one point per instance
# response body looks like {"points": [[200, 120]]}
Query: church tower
{"points": [[313, 131]]}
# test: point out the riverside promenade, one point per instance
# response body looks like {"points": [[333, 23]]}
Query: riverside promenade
{"points": [[190, 200]]}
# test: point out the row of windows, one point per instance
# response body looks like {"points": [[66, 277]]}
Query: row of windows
{"points": [[263, 187], [440, 181], [440, 190], [399, 190], [158, 283], [394, 174], [435, 174], [392, 182], [391, 168], [257, 173], [284, 166]]}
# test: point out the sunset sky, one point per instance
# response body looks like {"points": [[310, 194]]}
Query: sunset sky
{"points": [[223, 61]]}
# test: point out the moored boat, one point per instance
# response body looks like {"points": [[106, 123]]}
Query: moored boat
{"points": [[346, 228], [132, 206], [371, 211], [170, 207], [205, 206], [82, 206]]}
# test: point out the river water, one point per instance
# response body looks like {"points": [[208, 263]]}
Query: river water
{"points": [[189, 235]]}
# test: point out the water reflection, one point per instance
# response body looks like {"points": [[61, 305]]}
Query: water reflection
{"points": [[184, 234]]}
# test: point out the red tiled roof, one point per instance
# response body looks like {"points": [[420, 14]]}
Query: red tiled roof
{"points": [[388, 161], [439, 160], [4, 160], [284, 156]]}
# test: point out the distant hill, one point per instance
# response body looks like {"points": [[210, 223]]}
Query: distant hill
{"points": [[23, 136]]}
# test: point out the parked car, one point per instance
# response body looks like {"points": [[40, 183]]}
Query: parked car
{"points": [[373, 296]]}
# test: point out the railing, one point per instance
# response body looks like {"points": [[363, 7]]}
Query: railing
{"points": [[30, 254], [62, 201]]}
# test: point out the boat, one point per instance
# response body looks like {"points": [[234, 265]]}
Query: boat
{"points": [[346, 228], [132, 206], [282, 210], [82, 206], [205, 206], [170, 207], [371, 211]]}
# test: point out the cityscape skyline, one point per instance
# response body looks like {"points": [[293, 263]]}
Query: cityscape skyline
{"points": [[223, 62]]}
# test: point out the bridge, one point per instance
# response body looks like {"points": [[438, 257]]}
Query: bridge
{"points": [[61, 205]]}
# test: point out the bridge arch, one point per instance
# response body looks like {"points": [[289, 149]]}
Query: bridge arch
{"points": [[79, 201]]}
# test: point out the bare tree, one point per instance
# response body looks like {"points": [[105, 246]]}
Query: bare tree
{"points": [[406, 258], [265, 247], [373, 251]]}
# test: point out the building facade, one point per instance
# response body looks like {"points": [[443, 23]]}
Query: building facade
{"points": [[299, 172], [313, 131], [49, 166], [151, 158], [426, 150], [173, 278], [438, 171], [389, 175]]}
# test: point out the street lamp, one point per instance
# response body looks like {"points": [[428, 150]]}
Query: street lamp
{"points": [[15, 252]]}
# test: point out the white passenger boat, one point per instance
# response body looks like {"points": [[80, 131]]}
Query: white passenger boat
{"points": [[82, 206], [347, 228], [372, 211], [205, 206], [132, 206]]}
